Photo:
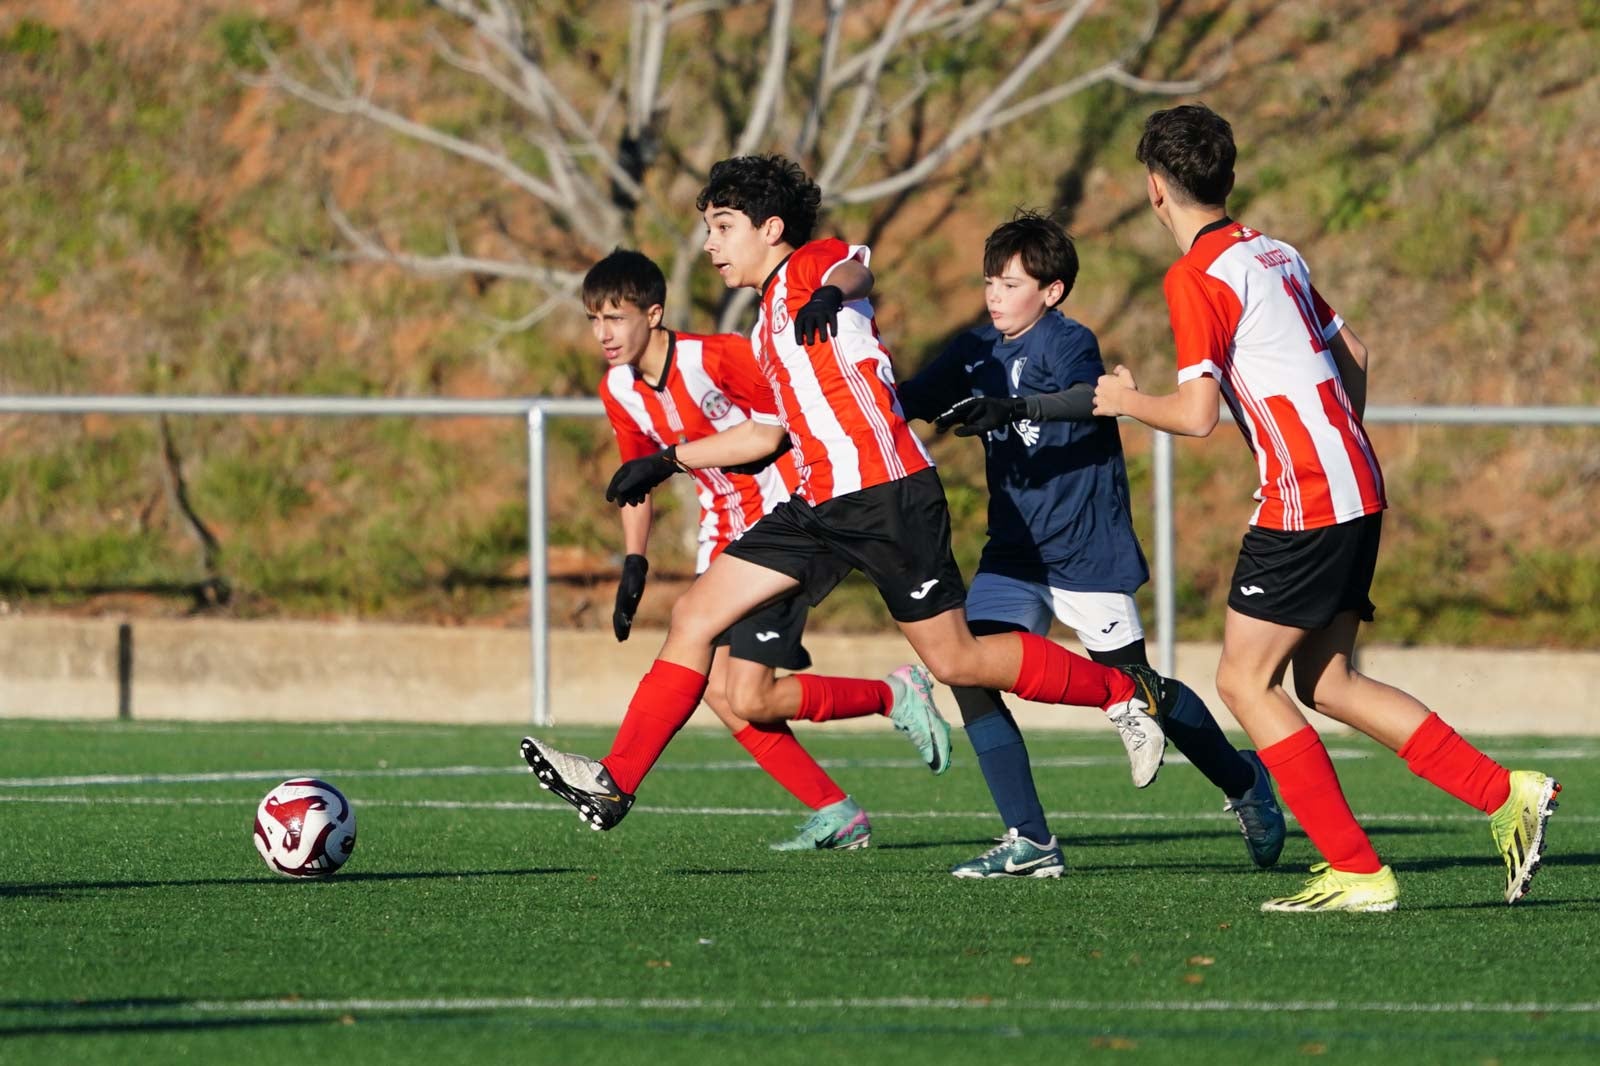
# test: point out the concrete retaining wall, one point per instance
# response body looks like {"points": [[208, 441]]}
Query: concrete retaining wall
{"points": [[294, 671]]}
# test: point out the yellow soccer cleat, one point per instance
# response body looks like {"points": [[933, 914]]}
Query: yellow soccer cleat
{"points": [[1518, 828], [1335, 890]]}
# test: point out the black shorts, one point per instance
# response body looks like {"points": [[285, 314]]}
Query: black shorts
{"points": [[770, 635], [897, 534], [1305, 578]]}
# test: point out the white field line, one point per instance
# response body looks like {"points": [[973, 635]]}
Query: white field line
{"points": [[736, 812], [906, 1003], [712, 766]]}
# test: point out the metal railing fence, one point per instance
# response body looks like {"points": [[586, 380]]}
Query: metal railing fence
{"points": [[535, 410]]}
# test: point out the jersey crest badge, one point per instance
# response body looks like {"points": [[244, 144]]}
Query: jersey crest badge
{"points": [[714, 405], [780, 316], [1016, 372]]}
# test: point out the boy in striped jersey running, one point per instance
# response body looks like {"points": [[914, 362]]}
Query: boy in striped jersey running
{"points": [[868, 499], [664, 387], [1250, 328]]}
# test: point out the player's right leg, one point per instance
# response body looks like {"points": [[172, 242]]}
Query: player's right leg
{"points": [[1518, 803], [602, 790], [1255, 658]]}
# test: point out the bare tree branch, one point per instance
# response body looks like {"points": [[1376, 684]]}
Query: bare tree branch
{"points": [[811, 128], [344, 100], [772, 72], [597, 130], [866, 92], [992, 112], [367, 248]]}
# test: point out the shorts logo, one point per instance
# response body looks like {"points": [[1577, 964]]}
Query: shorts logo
{"points": [[1110, 627], [714, 405], [1251, 590], [771, 634], [780, 316], [927, 586]]}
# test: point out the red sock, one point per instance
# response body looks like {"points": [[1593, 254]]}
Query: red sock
{"points": [[1437, 754], [823, 699], [1307, 783], [777, 751], [664, 700], [1052, 674]]}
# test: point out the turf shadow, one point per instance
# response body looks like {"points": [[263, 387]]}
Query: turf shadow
{"points": [[163, 1025]]}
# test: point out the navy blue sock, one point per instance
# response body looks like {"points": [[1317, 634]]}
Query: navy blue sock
{"points": [[1193, 731], [1003, 758]]}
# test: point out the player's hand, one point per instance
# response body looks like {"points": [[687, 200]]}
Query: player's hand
{"points": [[1111, 392], [630, 590], [982, 414], [819, 318], [755, 466], [631, 484]]}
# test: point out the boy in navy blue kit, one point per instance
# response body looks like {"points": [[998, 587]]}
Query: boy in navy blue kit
{"points": [[1061, 541]]}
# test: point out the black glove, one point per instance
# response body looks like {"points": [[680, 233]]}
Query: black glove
{"points": [[819, 318], [634, 479], [629, 591], [980, 414], [755, 466]]}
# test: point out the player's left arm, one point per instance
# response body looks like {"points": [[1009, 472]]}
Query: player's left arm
{"points": [[636, 521], [1350, 357]]}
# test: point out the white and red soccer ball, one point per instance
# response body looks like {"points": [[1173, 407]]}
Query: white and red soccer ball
{"points": [[305, 828]]}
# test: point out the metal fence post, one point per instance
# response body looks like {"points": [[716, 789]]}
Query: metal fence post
{"points": [[1166, 585], [538, 570]]}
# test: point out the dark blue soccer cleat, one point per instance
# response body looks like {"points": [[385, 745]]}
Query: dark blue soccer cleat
{"points": [[1260, 817]]}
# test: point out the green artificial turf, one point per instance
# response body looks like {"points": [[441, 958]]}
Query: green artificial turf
{"points": [[479, 921]]}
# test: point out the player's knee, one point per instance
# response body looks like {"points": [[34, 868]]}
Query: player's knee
{"points": [[1232, 685], [719, 703], [953, 669], [1328, 694], [687, 620], [752, 703]]}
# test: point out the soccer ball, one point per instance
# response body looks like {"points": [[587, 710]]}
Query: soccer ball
{"points": [[305, 828]]}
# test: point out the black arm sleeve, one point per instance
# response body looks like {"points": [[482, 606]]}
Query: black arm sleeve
{"points": [[934, 388], [1074, 404]]}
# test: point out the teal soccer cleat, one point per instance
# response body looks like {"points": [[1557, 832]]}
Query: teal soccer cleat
{"points": [[915, 715], [841, 826]]}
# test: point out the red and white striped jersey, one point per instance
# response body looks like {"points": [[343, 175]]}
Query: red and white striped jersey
{"points": [[709, 384], [836, 397], [1244, 311]]}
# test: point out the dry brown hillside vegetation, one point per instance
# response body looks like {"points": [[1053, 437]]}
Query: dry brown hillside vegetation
{"points": [[165, 227]]}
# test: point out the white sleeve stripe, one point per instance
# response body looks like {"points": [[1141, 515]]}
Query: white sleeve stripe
{"points": [[1200, 369]]}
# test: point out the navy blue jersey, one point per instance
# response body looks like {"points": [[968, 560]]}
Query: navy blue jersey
{"points": [[1058, 491]]}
